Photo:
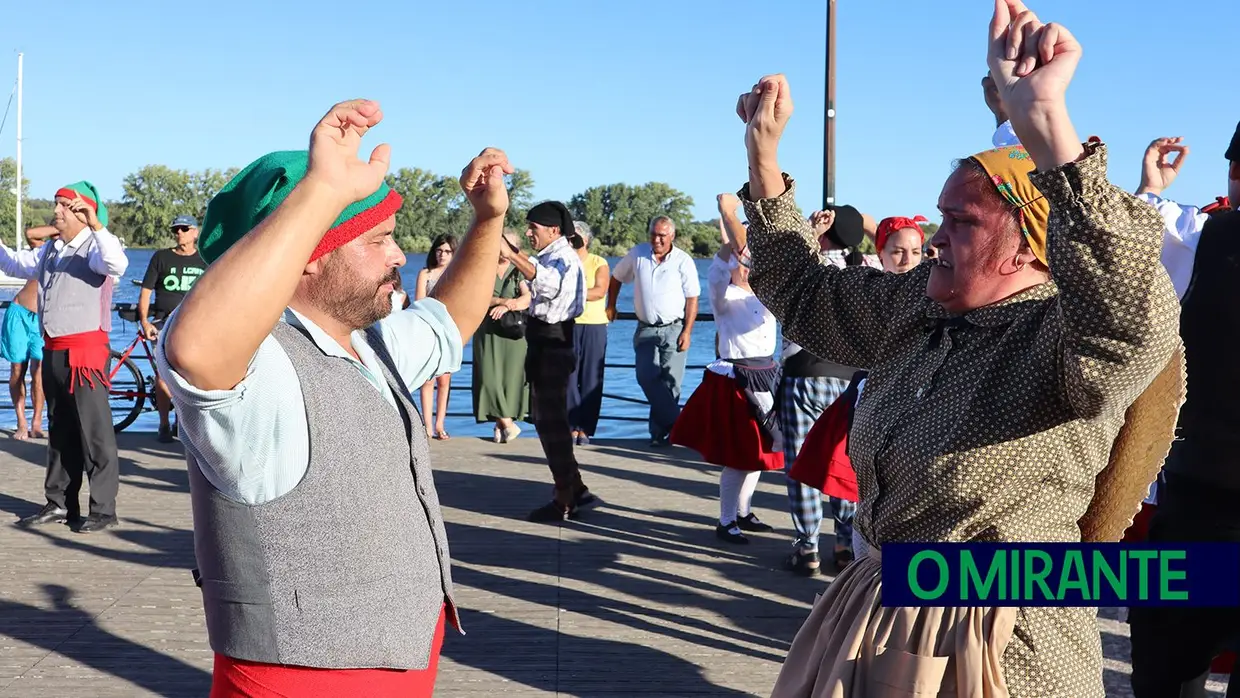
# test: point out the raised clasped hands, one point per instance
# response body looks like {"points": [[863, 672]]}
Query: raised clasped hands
{"points": [[482, 180], [334, 144], [1032, 63], [765, 109]]}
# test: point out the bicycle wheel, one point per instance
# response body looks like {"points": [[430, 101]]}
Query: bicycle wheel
{"points": [[127, 394]]}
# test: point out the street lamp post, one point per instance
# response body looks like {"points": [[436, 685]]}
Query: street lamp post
{"points": [[828, 141]]}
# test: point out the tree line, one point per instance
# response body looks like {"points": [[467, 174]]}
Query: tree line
{"points": [[619, 214]]}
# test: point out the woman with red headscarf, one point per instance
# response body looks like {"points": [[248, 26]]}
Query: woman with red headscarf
{"points": [[899, 242]]}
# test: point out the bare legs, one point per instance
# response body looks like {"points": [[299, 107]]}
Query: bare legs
{"points": [[443, 384], [17, 390]]}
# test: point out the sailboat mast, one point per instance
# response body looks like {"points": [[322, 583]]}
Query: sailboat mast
{"points": [[18, 244]]}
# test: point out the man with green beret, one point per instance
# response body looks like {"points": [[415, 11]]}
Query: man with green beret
{"points": [[321, 549], [76, 274]]}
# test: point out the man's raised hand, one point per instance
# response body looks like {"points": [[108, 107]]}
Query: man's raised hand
{"points": [[822, 221], [1157, 170], [482, 180], [334, 145]]}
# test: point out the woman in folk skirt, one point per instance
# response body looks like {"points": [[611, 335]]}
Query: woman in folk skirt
{"points": [[730, 418]]}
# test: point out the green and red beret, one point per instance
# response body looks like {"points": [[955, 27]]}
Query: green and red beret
{"points": [[261, 187], [89, 194]]}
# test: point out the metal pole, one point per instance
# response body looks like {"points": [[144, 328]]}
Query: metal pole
{"points": [[828, 143], [18, 243]]}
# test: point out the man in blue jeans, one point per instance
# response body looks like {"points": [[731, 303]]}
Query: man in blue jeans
{"points": [[665, 299]]}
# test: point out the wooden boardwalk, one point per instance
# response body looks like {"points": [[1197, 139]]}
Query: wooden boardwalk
{"points": [[637, 599]]}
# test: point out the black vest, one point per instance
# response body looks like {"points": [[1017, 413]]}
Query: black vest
{"points": [[1208, 438]]}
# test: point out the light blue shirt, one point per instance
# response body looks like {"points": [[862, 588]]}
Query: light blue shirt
{"points": [[253, 441], [660, 289]]}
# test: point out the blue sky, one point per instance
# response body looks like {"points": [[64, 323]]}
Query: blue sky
{"points": [[586, 93]]}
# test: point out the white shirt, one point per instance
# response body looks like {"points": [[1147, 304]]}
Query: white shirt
{"points": [[253, 441], [1181, 232], [106, 256], [660, 289], [559, 286], [746, 329]]}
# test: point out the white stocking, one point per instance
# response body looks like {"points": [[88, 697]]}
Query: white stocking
{"points": [[748, 486]]}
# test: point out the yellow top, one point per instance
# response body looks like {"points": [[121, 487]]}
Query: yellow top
{"points": [[596, 311]]}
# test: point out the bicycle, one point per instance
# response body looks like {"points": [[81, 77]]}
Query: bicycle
{"points": [[129, 390]]}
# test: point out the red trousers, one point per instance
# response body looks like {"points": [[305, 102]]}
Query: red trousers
{"points": [[234, 678]]}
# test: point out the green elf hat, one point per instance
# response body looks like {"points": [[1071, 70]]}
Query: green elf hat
{"points": [[261, 187], [89, 194]]}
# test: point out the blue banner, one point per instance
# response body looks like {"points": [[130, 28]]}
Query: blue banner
{"points": [[1061, 574]]}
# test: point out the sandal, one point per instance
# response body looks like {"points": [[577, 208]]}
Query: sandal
{"points": [[442, 435]]}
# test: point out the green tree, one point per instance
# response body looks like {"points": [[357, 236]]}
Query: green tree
{"points": [[155, 195], [520, 198], [699, 238], [620, 214], [8, 203], [435, 204], [427, 211]]}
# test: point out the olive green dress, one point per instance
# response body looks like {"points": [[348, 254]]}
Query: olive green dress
{"points": [[499, 386]]}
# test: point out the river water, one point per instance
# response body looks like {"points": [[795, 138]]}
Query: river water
{"points": [[618, 381]]}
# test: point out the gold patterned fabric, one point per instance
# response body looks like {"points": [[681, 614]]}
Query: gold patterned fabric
{"points": [[994, 425]]}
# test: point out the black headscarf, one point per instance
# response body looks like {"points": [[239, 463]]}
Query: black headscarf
{"points": [[1233, 150], [554, 214]]}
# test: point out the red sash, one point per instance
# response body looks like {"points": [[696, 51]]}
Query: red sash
{"points": [[234, 678], [88, 356]]}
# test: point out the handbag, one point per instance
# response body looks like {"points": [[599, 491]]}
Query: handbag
{"points": [[511, 325]]}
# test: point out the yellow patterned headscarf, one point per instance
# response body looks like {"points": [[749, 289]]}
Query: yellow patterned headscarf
{"points": [[1008, 169]]}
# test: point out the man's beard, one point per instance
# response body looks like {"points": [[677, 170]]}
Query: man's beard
{"points": [[353, 301]]}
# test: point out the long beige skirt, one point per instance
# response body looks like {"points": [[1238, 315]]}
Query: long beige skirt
{"points": [[850, 646]]}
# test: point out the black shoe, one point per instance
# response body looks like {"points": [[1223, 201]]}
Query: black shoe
{"points": [[165, 435], [725, 533], [551, 512], [804, 563], [660, 441], [49, 514], [749, 522], [584, 502], [97, 522]]}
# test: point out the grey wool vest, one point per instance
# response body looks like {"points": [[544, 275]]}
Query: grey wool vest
{"points": [[73, 298], [350, 569]]}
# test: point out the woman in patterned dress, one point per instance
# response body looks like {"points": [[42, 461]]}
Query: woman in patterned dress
{"points": [[1001, 377]]}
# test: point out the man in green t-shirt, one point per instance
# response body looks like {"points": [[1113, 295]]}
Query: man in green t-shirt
{"points": [[171, 274]]}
